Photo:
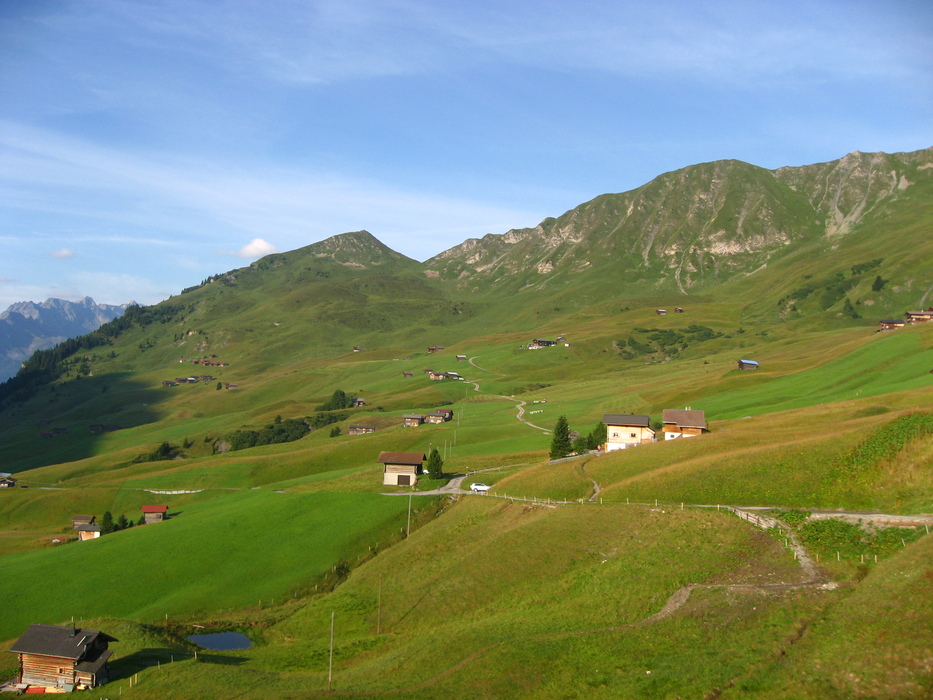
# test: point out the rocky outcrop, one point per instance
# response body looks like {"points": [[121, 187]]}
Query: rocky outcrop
{"points": [[703, 223]]}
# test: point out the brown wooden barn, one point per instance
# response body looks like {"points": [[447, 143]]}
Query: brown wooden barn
{"points": [[64, 658], [683, 423], [154, 514], [401, 468]]}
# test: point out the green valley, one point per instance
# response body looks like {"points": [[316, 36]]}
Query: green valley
{"points": [[626, 574]]}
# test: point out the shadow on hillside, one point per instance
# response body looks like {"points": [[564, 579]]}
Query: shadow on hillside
{"points": [[67, 422], [126, 666]]}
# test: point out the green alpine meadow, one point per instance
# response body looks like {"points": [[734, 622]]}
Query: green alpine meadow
{"points": [[279, 412]]}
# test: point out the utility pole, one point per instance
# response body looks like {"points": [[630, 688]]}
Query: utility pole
{"points": [[408, 529], [379, 608], [330, 669]]}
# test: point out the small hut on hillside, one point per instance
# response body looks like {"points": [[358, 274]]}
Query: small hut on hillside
{"points": [[62, 658], [154, 514], [401, 468]]}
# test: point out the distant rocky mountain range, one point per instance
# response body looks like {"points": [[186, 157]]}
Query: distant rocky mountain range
{"points": [[27, 326]]}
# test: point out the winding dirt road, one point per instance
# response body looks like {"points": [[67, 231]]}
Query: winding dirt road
{"points": [[520, 415]]}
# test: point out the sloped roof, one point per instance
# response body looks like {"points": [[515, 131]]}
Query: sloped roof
{"points": [[95, 665], [627, 419], [413, 415], [154, 509], [684, 418], [52, 640], [402, 457]]}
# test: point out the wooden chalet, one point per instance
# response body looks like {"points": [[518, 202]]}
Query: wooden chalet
{"points": [[748, 364], [357, 403], [361, 429], [7, 482], [889, 324], [626, 430], [683, 423], [401, 468], [77, 520], [461, 358], [435, 348], [437, 376], [447, 412], [435, 417], [412, 420], [661, 312], [154, 514], [88, 532], [921, 316], [678, 310], [62, 658], [408, 375]]}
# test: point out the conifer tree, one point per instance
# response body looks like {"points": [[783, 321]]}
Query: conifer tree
{"points": [[435, 465], [560, 442], [597, 437], [106, 524]]}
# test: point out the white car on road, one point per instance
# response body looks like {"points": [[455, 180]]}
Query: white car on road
{"points": [[479, 487]]}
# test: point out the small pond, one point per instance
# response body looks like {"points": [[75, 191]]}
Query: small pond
{"points": [[221, 641]]}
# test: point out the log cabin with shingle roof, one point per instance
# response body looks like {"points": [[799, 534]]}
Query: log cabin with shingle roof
{"points": [[64, 658]]}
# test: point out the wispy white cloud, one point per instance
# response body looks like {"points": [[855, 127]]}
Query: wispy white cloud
{"points": [[62, 254], [256, 248], [216, 201], [320, 41]]}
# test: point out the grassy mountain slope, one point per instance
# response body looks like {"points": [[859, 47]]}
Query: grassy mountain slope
{"points": [[489, 597]]}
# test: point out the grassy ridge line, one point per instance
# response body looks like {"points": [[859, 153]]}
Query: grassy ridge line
{"points": [[227, 553]]}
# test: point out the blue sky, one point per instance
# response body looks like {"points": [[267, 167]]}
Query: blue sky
{"points": [[147, 145]]}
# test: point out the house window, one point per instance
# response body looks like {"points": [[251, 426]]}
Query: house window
{"points": [[615, 435], [634, 435]]}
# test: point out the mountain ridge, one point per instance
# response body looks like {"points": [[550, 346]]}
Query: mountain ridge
{"points": [[26, 326], [710, 220]]}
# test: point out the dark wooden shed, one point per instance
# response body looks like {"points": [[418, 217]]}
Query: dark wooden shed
{"points": [[65, 658]]}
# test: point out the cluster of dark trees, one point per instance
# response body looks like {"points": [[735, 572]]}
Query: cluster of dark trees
{"points": [[665, 340], [563, 444], [163, 452], [108, 524], [338, 400], [45, 366], [287, 430]]}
